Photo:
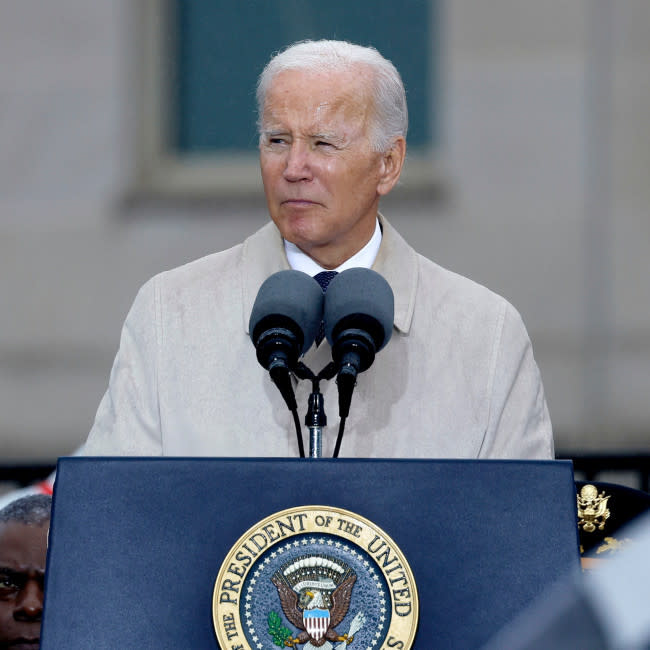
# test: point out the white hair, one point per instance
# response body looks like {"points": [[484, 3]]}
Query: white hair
{"points": [[387, 89]]}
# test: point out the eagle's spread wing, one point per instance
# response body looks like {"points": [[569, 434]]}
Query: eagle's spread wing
{"points": [[289, 601], [341, 601]]}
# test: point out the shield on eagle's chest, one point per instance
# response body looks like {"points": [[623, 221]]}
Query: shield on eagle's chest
{"points": [[316, 621]]}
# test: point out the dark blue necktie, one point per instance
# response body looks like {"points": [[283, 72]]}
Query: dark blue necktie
{"points": [[323, 278]]}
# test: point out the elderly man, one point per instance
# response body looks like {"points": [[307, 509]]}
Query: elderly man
{"points": [[457, 379], [24, 526]]}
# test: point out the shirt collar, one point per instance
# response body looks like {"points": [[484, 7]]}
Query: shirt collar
{"points": [[263, 254], [365, 258]]}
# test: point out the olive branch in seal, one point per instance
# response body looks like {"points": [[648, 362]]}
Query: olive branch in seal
{"points": [[279, 633]]}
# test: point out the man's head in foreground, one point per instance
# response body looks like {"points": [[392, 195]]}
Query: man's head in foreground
{"points": [[24, 525], [332, 123]]}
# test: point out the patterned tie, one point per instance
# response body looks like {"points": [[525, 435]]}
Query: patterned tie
{"points": [[323, 278]]}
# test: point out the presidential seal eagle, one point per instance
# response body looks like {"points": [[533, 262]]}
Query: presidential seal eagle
{"points": [[315, 596]]}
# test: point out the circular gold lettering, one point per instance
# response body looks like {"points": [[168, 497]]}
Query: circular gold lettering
{"points": [[281, 526]]}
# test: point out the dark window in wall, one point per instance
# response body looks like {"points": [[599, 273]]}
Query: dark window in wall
{"points": [[221, 47]]}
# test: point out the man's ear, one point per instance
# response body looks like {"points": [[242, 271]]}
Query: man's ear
{"points": [[392, 163]]}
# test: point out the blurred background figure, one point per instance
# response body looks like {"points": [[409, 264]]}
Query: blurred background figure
{"points": [[24, 526], [602, 609]]}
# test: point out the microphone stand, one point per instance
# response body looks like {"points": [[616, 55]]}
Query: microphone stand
{"points": [[315, 419]]}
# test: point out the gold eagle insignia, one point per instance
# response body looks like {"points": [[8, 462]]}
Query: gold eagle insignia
{"points": [[592, 509]]}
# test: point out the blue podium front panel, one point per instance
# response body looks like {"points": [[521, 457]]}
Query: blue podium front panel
{"points": [[136, 544]]}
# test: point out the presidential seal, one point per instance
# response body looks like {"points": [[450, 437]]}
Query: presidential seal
{"points": [[315, 577]]}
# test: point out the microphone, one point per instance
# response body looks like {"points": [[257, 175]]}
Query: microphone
{"points": [[284, 322], [359, 310]]}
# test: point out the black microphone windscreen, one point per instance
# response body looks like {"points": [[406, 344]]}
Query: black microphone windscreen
{"points": [[360, 292], [293, 295]]}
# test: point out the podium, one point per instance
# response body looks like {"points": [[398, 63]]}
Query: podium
{"points": [[136, 544]]}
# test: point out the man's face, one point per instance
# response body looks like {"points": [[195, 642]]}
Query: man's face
{"points": [[321, 177], [22, 568]]}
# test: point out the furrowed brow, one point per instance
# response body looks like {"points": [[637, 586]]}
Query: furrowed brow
{"points": [[270, 133], [9, 572], [330, 137]]}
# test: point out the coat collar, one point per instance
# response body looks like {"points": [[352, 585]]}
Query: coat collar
{"points": [[263, 254]]}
